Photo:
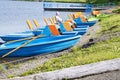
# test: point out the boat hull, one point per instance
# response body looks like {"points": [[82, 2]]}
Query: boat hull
{"points": [[79, 22], [16, 36], [40, 46], [20, 35]]}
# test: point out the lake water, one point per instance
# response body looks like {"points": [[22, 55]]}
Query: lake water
{"points": [[13, 15]]}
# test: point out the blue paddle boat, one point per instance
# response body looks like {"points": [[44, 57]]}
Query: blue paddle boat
{"points": [[44, 31], [66, 28], [79, 22], [40, 45], [26, 34]]}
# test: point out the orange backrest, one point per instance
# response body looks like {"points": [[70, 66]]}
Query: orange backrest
{"points": [[77, 14], [83, 18], [69, 20], [67, 26], [95, 13], [53, 29]]}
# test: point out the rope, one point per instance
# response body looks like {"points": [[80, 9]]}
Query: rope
{"points": [[20, 46], [18, 40]]}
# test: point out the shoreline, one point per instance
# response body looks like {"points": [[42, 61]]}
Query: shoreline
{"points": [[27, 65]]}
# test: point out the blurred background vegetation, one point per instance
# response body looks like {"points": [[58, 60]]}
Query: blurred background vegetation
{"points": [[82, 1]]}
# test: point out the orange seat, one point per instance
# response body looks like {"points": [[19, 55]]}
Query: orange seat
{"points": [[97, 12], [69, 20], [77, 14], [94, 13], [67, 26], [53, 29], [83, 18]]}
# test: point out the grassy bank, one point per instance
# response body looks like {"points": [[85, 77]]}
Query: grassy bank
{"points": [[116, 11], [104, 50], [110, 24]]}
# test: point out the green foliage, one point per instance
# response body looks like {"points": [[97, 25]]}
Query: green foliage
{"points": [[116, 11]]}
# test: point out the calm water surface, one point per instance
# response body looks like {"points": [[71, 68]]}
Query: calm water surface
{"points": [[13, 15]]}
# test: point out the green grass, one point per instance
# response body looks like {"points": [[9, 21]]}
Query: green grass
{"points": [[108, 49], [110, 24], [116, 10], [10, 76], [98, 52], [1, 68]]}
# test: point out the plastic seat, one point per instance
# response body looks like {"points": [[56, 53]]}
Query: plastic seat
{"points": [[53, 29]]}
